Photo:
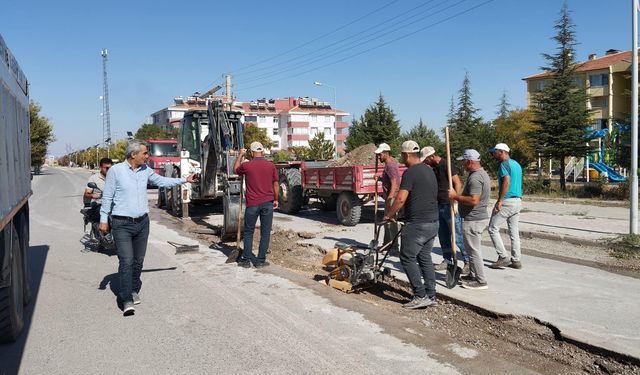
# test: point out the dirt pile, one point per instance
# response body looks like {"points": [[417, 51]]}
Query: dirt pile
{"points": [[363, 155]]}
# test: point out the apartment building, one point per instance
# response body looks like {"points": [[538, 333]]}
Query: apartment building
{"points": [[607, 81], [170, 116], [294, 121]]}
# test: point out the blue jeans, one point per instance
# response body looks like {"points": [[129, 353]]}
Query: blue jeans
{"points": [[415, 257], [444, 233], [265, 212], [131, 246]]}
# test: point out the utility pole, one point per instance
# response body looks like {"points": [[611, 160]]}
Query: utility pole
{"points": [[633, 176], [106, 116], [229, 100]]}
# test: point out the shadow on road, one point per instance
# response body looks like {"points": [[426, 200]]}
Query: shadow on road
{"points": [[11, 354], [113, 283]]}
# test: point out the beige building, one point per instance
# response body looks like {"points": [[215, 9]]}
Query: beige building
{"points": [[607, 81]]}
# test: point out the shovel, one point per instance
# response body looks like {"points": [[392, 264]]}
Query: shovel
{"points": [[453, 270], [235, 254]]}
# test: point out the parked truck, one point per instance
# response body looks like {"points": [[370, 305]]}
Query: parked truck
{"points": [[344, 189], [15, 190], [209, 142], [162, 152]]}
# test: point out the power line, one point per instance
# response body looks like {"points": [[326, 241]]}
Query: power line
{"points": [[353, 44], [315, 39], [375, 47], [353, 35]]}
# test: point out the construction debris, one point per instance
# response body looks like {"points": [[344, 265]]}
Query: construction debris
{"points": [[363, 155]]}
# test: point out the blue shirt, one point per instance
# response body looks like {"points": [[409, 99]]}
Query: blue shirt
{"points": [[512, 169], [125, 190]]}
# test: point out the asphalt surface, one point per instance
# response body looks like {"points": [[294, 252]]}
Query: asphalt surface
{"points": [[198, 314]]}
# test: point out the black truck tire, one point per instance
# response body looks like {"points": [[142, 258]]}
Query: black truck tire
{"points": [[290, 197], [12, 297], [349, 208], [23, 233]]}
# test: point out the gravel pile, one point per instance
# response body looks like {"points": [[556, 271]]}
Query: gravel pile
{"points": [[363, 155]]}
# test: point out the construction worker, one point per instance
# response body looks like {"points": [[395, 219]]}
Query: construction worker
{"points": [[507, 208], [261, 180], [429, 156], [473, 201], [390, 185], [418, 195]]}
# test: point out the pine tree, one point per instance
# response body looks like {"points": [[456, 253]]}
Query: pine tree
{"points": [[377, 125], [320, 148], [560, 110], [424, 136], [503, 107]]}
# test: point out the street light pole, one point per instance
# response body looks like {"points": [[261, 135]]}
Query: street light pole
{"points": [[633, 176], [335, 104]]}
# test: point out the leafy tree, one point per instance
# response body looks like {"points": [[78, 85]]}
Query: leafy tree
{"points": [[424, 136], [320, 148], [516, 129], [118, 150], [154, 131], [253, 133], [300, 152], [282, 156], [41, 135], [377, 125], [560, 110], [467, 129]]}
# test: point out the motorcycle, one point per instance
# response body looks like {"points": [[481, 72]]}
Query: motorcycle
{"points": [[95, 239]]}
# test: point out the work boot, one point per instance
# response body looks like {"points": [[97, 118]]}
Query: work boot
{"points": [[136, 298], [244, 263], [515, 264], [501, 263], [442, 266], [474, 285], [419, 302], [465, 270], [262, 264], [128, 308]]}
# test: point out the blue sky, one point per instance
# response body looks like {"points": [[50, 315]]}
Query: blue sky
{"points": [[162, 49]]}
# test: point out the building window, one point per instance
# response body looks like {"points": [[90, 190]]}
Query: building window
{"points": [[261, 119], [276, 143], [298, 130], [276, 131], [327, 133], [314, 118], [598, 80], [540, 85], [276, 120], [577, 81], [314, 131], [250, 118], [600, 102]]}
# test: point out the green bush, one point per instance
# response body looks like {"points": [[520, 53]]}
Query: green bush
{"points": [[534, 185]]}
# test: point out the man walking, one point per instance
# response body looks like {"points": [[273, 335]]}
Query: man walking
{"points": [[507, 208], [429, 156], [390, 185], [261, 180], [473, 210], [419, 196], [125, 199]]}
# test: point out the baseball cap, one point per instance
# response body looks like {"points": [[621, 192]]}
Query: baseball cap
{"points": [[256, 147], [382, 147], [410, 146], [500, 146], [470, 154], [426, 152]]}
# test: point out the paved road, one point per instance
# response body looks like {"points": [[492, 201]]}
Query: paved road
{"points": [[198, 315]]}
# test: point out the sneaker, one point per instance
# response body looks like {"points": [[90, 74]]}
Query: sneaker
{"points": [[499, 264], [417, 303], [467, 277], [136, 298], [465, 270], [515, 264], [244, 263], [474, 285], [442, 266], [262, 264], [128, 309]]}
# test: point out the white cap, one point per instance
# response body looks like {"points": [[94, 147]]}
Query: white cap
{"points": [[500, 146], [410, 146], [470, 154], [426, 152], [256, 147], [382, 147]]}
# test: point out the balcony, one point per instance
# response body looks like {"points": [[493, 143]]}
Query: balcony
{"points": [[341, 137], [341, 124], [297, 137], [298, 124], [598, 91]]}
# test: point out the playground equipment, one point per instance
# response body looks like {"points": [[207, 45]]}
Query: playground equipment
{"points": [[598, 160]]}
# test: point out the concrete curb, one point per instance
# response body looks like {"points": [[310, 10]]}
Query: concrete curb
{"points": [[557, 237], [592, 202]]}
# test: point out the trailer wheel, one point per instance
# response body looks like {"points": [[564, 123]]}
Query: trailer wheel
{"points": [[12, 297], [24, 248], [349, 208], [176, 197], [290, 199], [329, 203]]}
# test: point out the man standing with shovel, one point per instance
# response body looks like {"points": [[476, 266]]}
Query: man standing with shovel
{"points": [[390, 183]]}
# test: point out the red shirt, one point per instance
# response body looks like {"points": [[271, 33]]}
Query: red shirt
{"points": [[259, 176]]}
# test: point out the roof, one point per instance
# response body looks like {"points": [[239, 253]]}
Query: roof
{"points": [[603, 62]]}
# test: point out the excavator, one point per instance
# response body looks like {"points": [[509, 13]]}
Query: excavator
{"points": [[209, 142]]}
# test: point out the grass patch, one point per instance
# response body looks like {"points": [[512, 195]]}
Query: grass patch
{"points": [[626, 246]]}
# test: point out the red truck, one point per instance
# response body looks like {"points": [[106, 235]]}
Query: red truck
{"points": [[161, 152], [344, 189]]}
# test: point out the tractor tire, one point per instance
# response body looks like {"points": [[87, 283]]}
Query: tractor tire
{"points": [[12, 297], [176, 196], [349, 208], [290, 198], [329, 203], [23, 234]]}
